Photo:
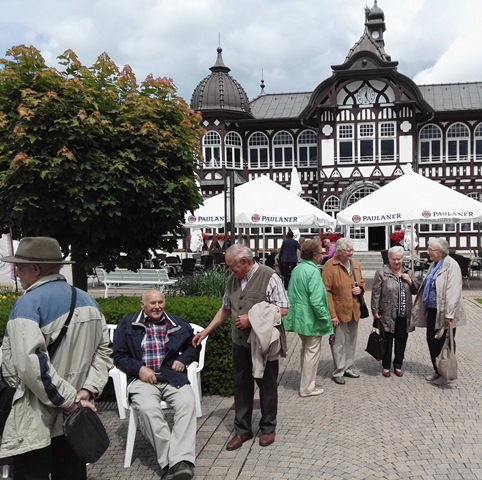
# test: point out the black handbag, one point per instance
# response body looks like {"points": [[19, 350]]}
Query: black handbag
{"points": [[6, 400], [86, 434], [7, 392], [364, 313], [377, 344], [363, 307]]}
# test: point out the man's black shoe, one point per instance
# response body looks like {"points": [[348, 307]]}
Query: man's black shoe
{"points": [[339, 380], [181, 471]]}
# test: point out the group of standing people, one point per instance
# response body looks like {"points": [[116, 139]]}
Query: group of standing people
{"points": [[330, 305], [437, 304], [154, 348], [323, 305]]}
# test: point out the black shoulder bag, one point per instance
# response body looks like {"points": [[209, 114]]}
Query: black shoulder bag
{"points": [[7, 392], [363, 306]]}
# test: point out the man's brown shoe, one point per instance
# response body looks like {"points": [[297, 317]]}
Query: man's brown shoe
{"points": [[266, 439], [237, 441]]}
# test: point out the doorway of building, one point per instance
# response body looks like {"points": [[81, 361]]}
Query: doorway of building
{"points": [[376, 238]]}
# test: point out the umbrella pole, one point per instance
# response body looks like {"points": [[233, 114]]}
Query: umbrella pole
{"points": [[264, 242], [411, 248]]}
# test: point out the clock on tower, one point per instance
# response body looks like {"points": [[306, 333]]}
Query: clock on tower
{"points": [[365, 96]]}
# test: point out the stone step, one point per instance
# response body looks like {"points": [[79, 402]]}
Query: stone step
{"points": [[369, 260]]}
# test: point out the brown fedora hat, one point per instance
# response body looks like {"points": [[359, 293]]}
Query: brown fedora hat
{"points": [[37, 250]]}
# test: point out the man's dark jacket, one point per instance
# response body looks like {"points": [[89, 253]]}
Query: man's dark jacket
{"points": [[129, 335]]}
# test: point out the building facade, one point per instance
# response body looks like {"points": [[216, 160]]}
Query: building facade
{"points": [[359, 129]]}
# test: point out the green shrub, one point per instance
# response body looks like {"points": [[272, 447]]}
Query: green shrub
{"points": [[217, 373], [210, 283], [6, 303]]}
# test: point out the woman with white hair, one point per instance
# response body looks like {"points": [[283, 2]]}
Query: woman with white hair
{"points": [[393, 287], [344, 283], [438, 303]]}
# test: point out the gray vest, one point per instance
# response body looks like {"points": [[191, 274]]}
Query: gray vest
{"points": [[243, 300]]}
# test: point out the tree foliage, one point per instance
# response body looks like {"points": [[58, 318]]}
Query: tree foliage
{"points": [[92, 158]]}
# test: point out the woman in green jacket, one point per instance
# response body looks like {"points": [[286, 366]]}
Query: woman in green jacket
{"points": [[308, 315]]}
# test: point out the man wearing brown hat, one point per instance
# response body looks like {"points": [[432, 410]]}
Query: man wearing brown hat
{"points": [[48, 388]]}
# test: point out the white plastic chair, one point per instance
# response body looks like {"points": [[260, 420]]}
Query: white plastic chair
{"points": [[120, 387], [115, 374]]}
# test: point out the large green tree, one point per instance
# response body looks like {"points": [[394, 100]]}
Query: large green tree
{"points": [[92, 158]]}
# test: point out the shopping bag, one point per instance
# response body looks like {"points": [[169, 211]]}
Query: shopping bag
{"points": [[446, 362]]}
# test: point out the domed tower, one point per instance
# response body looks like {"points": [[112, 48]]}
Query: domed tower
{"points": [[220, 95]]}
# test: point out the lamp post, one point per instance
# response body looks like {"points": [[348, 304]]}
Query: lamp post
{"points": [[229, 214]]}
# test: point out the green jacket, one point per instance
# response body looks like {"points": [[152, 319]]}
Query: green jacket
{"points": [[308, 314]]}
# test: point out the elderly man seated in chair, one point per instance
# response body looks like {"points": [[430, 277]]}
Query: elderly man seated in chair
{"points": [[154, 348]]}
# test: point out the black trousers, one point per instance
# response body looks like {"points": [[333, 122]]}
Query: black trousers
{"points": [[55, 462], [399, 337], [434, 344], [286, 269], [244, 392]]}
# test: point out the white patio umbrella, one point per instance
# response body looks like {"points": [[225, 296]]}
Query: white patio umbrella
{"points": [[411, 198], [260, 203]]}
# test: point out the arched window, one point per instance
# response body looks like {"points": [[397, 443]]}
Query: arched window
{"points": [[283, 149], [478, 142], [359, 194], [233, 144], [430, 144], [358, 233], [258, 151], [307, 149], [212, 150], [332, 204], [458, 142], [311, 200]]}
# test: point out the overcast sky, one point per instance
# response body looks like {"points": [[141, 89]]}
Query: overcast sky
{"points": [[293, 42]]}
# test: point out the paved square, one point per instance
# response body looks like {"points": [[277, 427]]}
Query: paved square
{"points": [[370, 428]]}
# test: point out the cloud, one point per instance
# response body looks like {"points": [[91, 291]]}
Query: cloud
{"points": [[294, 42]]}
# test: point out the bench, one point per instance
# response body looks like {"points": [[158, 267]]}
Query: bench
{"points": [[121, 276]]}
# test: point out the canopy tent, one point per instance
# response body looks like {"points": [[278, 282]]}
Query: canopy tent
{"points": [[260, 203], [411, 198]]}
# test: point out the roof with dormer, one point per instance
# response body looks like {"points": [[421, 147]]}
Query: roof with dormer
{"points": [[442, 98]]}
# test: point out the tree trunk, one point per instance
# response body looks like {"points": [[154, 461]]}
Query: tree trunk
{"points": [[79, 274]]}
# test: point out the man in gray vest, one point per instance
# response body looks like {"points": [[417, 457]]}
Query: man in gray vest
{"points": [[249, 284]]}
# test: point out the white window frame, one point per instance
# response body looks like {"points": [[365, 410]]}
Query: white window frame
{"points": [[211, 146], [283, 144], [478, 139], [234, 150], [307, 144], [258, 142], [362, 137], [384, 136], [346, 134], [458, 134], [430, 134]]}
